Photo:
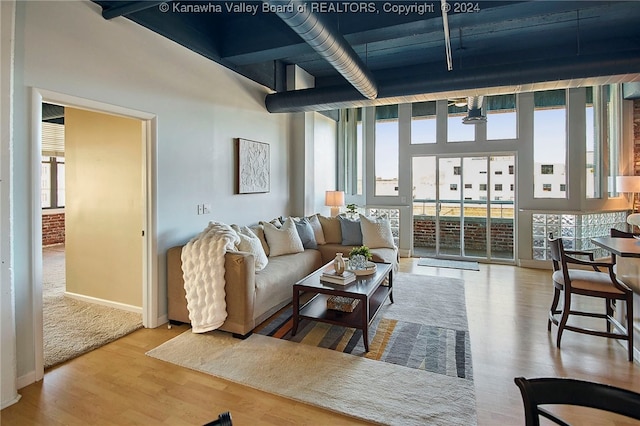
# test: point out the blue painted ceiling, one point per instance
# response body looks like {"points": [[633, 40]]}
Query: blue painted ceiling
{"points": [[492, 39]]}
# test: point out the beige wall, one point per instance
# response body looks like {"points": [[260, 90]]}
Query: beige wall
{"points": [[104, 206]]}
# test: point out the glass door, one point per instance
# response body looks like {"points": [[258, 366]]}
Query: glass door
{"points": [[463, 206]]}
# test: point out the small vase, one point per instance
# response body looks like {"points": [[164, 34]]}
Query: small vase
{"points": [[338, 264]]}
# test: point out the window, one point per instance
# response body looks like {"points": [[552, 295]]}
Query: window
{"points": [[52, 182], [483, 187], [501, 117], [613, 115], [456, 170], [456, 131], [387, 146], [549, 141], [592, 167], [453, 187], [511, 170], [423, 122], [497, 187], [546, 169], [563, 187], [468, 186], [359, 151]]}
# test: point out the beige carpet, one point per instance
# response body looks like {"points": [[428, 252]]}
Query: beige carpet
{"points": [[371, 390], [73, 327]]}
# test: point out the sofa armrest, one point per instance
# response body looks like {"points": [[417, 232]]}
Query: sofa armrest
{"points": [[239, 289]]}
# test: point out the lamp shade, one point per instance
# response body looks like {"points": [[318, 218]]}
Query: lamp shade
{"points": [[628, 183], [334, 198]]}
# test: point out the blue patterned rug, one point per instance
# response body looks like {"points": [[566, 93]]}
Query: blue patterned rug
{"points": [[426, 328]]}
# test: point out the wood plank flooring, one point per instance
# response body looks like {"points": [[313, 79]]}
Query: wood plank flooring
{"points": [[506, 306]]}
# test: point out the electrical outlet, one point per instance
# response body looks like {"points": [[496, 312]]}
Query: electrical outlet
{"points": [[200, 209], [206, 209]]}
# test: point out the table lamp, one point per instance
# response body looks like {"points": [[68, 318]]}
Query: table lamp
{"points": [[629, 184], [334, 199]]}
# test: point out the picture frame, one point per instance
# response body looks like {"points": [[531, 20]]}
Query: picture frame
{"points": [[254, 166]]}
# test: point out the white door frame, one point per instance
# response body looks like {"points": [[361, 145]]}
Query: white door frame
{"points": [[149, 244]]}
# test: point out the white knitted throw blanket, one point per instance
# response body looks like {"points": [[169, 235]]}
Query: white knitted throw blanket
{"points": [[203, 273]]}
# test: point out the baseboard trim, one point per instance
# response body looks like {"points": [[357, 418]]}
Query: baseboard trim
{"points": [[103, 302], [26, 379], [12, 401]]}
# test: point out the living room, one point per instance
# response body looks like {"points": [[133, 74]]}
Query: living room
{"points": [[66, 53]]}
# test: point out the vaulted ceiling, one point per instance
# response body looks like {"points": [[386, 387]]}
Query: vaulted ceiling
{"points": [[496, 46]]}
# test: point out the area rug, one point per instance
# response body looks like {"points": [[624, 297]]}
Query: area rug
{"points": [[373, 391], [378, 392], [73, 327], [425, 329], [446, 263]]}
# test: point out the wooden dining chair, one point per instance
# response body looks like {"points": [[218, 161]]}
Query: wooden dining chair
{"points": [[568, 280], [562, 391]]}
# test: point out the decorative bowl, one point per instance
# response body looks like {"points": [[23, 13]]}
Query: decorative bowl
{"points": [[370, 269]]}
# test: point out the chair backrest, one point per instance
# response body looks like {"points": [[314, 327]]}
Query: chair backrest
{"points": [[562, 391], [556, 250]]}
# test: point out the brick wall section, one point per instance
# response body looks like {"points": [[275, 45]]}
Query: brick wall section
{"points": [[52, 229], [475, 233], [636, 136]]}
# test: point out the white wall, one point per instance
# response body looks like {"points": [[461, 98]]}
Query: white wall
{"points": [[68, 48]]}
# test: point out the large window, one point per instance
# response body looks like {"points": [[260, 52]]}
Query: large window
{"points": [[387, 147], [359, 153], [52, 182], [592, 167], [423, 122], [612, 98], [501, 117], [550, 143]]}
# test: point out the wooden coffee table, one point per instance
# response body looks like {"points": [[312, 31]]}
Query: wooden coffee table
{"points": [[368, 289]]}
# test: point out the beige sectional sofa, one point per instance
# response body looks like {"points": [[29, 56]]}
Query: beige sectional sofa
{"points": [[252, 296]]}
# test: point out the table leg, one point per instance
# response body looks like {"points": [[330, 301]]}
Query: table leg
{"points": [[365, 323], [391, 285], [296, 310]]}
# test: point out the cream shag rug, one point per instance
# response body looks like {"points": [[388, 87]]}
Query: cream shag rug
{"points": [[371, 390], [73, 327]]}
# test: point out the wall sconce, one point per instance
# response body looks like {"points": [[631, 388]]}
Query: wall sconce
{"points": [[334, 199], [629, 184]]}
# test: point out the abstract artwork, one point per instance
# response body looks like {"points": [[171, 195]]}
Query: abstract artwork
{"points": [[253, 167]]}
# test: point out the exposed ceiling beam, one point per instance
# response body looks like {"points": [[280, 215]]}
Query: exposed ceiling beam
{"points": [[127, 8]]}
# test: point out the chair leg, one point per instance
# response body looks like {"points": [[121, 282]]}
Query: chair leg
{"points": [[554, 306], [609, 314], [563, 321], [630, 327]]}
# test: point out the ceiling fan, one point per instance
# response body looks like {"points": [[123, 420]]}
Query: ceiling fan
{"points": [[458, 102]]}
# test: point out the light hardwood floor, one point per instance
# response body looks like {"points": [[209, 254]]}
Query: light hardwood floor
{"points": [[507, 310]]}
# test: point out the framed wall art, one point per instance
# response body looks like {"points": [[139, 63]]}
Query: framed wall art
{"points": [[254, 168]]}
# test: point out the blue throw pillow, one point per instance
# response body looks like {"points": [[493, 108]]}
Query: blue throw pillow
{"points": [[351, 232], [305, 232]]}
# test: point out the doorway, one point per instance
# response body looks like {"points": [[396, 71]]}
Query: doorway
{"points": [[146, 283], [463, 207]]}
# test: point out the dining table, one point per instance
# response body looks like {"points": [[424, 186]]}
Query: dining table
{"points": [[627, 257]]}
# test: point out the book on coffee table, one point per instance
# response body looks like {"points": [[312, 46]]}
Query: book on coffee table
{"points": [[332, 277]]}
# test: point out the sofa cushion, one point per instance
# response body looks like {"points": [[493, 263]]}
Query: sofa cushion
{"points": [[331, 229], [376, 232], [250, 243], [350, 230], [306, 234], [274, 284], [284, 240], [317, 229]]}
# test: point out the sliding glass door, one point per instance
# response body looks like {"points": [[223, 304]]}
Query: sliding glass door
{"points": [[463, 206]]}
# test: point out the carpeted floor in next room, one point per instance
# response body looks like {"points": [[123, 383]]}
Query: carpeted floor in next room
{"points": [[73, 327]]}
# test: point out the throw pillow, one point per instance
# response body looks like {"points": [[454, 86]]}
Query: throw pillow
{"points": [[250, 243], [351, 232], [284, 240], [331, 229], [376, 232], [317, 229], [259, 231], [305, 232]]}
